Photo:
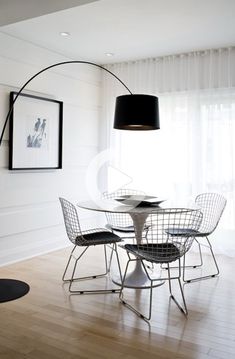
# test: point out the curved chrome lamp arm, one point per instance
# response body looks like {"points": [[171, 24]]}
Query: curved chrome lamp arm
{"points": [[135, 112], [50, 67]]}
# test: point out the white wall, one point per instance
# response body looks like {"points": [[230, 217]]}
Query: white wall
{"points": [[30, 216]]}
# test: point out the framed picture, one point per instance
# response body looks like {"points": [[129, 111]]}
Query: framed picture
{"points": [[35, 133]]}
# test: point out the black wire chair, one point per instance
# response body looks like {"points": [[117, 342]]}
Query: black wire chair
{"points": [[163, 245], [85, 239]]}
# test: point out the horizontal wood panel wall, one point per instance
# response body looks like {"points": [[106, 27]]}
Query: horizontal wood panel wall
{"points": [[30, 216]]}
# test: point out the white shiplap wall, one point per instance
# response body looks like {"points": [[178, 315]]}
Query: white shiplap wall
{"points": [[30, 216]]}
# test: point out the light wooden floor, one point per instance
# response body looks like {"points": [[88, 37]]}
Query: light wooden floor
{"points": [[48, 323]]}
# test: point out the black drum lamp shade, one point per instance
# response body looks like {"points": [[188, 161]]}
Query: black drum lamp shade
{"points": [[136, 112]]}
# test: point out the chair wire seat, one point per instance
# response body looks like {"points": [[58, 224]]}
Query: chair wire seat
{"points": [[159, 247], [156, 252], [85, 239], [95, 237]]}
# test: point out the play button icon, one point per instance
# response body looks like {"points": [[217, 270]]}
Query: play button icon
{"points": [[100, 173], [117, 179]]}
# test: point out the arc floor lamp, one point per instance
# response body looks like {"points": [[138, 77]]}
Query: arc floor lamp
{"points": [[132, 112]]}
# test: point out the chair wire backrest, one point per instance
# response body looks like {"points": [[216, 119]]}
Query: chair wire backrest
{"points": [[171, 233], [212, 206], [71, 221], [120, 219]]}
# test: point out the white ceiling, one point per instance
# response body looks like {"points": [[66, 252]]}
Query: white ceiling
{"points": [[132, 29]]}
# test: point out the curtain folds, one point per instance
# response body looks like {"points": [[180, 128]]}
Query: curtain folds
{"points": [[194, 151]]}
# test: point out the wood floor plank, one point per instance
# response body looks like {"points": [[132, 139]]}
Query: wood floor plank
{"points": [[49, 323]]}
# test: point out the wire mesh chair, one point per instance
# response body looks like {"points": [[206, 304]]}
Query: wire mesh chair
{"points": [[160, 247], [212, 206], [121, 223], [85, 239]]}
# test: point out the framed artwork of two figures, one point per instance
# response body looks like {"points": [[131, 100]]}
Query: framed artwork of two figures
{"points": [[35, 133]]}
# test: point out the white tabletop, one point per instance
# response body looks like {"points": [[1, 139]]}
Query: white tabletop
{"points": [[114, 207]]}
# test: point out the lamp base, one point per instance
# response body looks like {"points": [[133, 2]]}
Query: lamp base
{"points": [[11, 289]]}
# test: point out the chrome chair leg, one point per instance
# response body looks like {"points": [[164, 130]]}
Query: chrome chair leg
{"points": [[128, 305], [73, 278], [105, 260], [118, 262], [67, 265], [110, 260], [192, 265], [183, 310], [190, 280], [200, 253], [147, 317]]}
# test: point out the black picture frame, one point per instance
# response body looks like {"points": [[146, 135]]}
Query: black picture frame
{"points": [[35, 133]]}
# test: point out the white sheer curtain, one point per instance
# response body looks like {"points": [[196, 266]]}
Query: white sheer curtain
{"points": [[194, 151]]}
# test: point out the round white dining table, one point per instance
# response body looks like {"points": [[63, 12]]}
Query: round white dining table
{"points": [[137, 278]]}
